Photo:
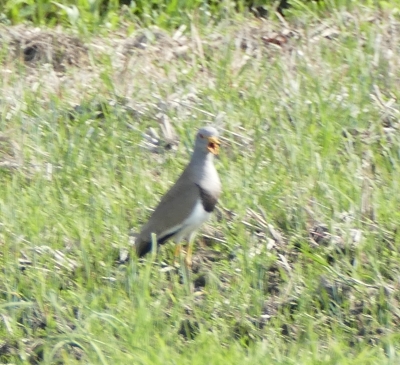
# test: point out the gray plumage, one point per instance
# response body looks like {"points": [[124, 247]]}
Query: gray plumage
{"points": [[190, 200]]}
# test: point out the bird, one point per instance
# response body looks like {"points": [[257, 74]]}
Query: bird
{"points": [[189, 202]]}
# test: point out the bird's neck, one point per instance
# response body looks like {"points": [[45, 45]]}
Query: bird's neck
{"points": [[204, 171], [201, 159]]}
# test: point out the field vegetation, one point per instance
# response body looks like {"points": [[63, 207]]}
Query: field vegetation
{"points": [[99, 104]]}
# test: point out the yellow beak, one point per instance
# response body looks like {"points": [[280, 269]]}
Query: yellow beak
{"points": [[213, 145]]}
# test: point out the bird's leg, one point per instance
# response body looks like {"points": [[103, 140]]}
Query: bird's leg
{"points": [[177, 254], [188, 258], [187, 269]]}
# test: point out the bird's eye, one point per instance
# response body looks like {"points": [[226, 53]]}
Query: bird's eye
{"points": [[201, 136]]}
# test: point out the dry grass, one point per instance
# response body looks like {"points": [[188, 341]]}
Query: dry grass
{"points": [[300, 264]]}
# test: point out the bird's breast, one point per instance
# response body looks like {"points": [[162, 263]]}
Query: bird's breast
{"points": [[208, 199], [196, 218]]}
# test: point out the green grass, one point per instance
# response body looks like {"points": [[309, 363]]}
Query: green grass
{"points": [[94, 16], [308, 264]]}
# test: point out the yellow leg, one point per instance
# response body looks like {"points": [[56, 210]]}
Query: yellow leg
{"points": [[177, 254], [188, 258]]}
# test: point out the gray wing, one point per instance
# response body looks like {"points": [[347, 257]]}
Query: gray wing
{"points": [[166, 220]]}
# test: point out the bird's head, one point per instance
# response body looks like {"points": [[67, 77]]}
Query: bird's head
{"points": [[207, 140]]}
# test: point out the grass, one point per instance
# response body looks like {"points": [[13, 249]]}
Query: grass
{"points": [[302, 266]]}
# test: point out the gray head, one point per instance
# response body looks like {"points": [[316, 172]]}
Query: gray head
{"points": [[207, 141]]}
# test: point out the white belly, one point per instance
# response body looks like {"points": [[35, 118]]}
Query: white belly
{"points": [[193, 222]]}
